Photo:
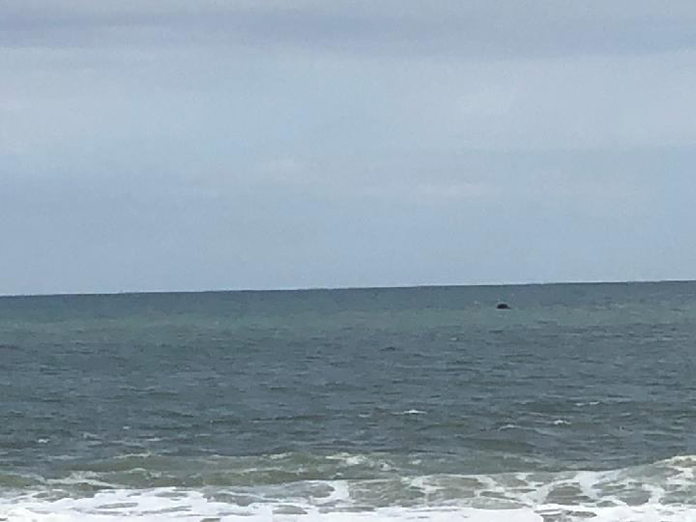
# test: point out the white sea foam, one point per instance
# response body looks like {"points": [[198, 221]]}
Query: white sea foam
{"points": [[157, 506], [660, 492]]}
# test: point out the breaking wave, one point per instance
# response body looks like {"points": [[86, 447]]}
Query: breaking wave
{"points": [[344, 487]]}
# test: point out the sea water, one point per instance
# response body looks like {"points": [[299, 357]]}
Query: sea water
{"points": [[578, 403]]}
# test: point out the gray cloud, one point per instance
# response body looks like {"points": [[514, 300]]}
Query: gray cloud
{"points": [[179, 145], [472, 29]]}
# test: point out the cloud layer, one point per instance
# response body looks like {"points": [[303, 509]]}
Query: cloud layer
{"points": [[177, 145]]}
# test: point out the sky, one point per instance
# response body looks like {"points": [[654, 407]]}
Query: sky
{"points": [[156, 145]]}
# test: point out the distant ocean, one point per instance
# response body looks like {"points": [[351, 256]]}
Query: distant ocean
{"points": [[577, 404]]}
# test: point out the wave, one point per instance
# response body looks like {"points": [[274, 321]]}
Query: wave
{"points": [[664, 491]]}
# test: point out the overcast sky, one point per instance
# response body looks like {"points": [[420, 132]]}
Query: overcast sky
{"points": [[184, 145]]}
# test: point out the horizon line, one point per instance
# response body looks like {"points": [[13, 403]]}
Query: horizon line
{"points": [[338, 288]]}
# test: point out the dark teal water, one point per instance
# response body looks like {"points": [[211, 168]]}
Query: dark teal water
{"points": [[283, 390]]}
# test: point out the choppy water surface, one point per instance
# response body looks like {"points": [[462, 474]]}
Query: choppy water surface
{"points": [[380, 404]]}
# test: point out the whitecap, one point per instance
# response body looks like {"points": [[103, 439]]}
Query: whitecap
{"points": [[411, 412], [589, 403]]}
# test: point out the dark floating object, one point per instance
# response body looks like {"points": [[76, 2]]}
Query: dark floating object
{"points": [[503, 306]]}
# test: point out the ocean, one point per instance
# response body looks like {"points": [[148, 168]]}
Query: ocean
{"points": [[576, 404]]}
